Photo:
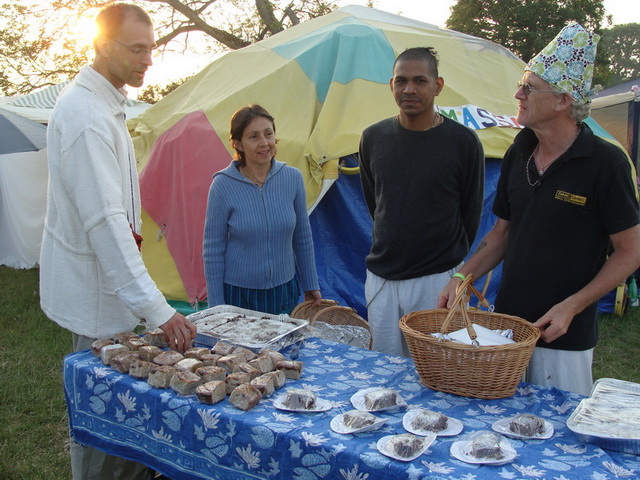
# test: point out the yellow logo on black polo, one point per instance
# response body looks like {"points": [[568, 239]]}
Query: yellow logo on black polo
{"points": [[571, 198]]}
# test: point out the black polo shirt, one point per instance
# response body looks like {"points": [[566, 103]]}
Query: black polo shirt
{"points": [[559, 227]]}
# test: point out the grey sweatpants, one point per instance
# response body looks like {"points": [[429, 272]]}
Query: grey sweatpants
{"points": [[389, 300]]}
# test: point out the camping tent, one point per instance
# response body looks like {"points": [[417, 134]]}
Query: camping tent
{"points": [[23, 188], [37, 106], [324, 81], [617, 110], [24, 176]]}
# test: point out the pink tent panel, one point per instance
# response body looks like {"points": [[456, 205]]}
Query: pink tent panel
{"points": [[174, 185]]}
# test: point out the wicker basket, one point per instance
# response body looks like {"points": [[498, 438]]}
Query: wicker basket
{"points": [[306, 310], [482, 372]]}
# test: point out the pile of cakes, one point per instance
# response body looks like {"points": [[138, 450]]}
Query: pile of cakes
{"points": [[209, 374]]}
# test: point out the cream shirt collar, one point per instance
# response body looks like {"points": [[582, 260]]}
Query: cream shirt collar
{"points": [[115, 98]]}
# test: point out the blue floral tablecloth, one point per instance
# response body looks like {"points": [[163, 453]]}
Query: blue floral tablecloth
{"points": [[185, 439]]}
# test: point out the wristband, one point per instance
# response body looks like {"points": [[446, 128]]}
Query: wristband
{"points": [[459, 275]]}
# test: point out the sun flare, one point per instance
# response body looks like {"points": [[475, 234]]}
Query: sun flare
{"points": [[84, 28]]}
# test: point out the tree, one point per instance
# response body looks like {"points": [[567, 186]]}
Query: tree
{"points": [[622, 44], [524, 26], [36, 49], [154, 93], [33, 51]]}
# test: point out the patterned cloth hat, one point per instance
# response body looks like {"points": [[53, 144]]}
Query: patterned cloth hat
{"points": [[567, 62]]}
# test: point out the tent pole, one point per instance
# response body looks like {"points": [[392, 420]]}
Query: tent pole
{"points": [[633, 133]]}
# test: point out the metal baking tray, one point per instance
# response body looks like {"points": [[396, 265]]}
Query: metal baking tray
{"points": [[289, 335], [601, 438]]}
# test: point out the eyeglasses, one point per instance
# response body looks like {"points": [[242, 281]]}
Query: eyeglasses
{"points": [[137, 51], [528, 89]]}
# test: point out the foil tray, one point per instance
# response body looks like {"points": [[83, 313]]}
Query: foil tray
{"points": [[599, 436], [292, 334]]}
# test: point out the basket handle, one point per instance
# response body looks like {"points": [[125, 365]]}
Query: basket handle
{"points": [[481, 299], [468, 284], [459, 302]]}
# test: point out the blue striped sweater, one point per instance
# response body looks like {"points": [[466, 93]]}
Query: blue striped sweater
{"points": [[257, 237]]}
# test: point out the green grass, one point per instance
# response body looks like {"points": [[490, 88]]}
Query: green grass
{"points": [[618, 351], [33, 418]]}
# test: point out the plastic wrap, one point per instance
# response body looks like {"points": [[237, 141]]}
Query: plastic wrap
{"points": [[247, 328], [610, 416], [348, 334]]}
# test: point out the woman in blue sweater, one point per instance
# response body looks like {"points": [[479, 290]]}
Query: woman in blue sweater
{"points": [[258, 248]]}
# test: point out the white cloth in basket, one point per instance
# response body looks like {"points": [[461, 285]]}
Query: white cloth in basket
{"points": [[486, 337]]}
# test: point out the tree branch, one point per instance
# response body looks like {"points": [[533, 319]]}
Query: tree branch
{"points": [[164, 40], [227, 39], [265, 10], [289, 12]]}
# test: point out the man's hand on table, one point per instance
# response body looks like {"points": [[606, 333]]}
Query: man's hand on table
{"points": [[179, 332]]}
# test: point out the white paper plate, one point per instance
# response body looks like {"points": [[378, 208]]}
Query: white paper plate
{"points": [[502, 426], [321, 405], [383, 447], [338, 426], [454, 426], [357, 400], [459, 450]]}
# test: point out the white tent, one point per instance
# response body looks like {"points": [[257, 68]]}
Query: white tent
{"points": [[23, 187], [23, 181], [38, 105], [617, 110]]}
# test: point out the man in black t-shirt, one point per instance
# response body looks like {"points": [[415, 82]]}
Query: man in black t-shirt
{"points": [[423, 179]]}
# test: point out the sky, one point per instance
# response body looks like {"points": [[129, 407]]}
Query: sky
{"points": [[430, 11], [437, 11]]}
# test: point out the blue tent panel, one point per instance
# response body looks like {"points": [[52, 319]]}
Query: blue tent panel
{"points": [[341, 228], [364, 53], [19, 134]]}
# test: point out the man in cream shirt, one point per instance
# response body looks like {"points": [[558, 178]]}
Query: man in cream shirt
{"points": [[93, 281]]}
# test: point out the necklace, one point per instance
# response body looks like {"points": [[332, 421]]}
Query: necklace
{"points": [[527, 168], [543, 168], [246, 173], [437, 120]]}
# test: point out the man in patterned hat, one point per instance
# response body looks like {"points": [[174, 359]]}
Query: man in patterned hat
{"points": [[567, 211]]}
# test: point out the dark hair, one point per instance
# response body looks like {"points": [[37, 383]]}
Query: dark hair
{"points": [[110, 19], [239, 122], [428, 54]]}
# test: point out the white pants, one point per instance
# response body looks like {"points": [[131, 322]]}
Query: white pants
{"points": [[389, 300], [564, 369], [88, 463]]}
